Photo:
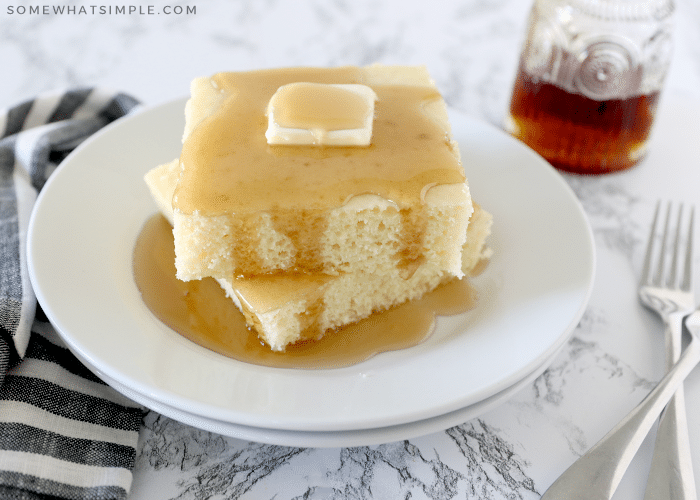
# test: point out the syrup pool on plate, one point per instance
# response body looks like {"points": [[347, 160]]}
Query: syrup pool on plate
{"points": [[199, 311]]}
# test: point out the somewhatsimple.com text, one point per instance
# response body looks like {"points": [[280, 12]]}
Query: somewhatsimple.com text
{"points": [[100, 10]]}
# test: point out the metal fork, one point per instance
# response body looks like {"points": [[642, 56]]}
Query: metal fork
{"points": [[596, 475], [671, 473]]}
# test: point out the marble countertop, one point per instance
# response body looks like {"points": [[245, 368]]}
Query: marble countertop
{"points": [[514, 451]]}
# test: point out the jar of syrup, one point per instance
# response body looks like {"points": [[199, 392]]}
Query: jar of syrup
{"points": [[589, 80]]}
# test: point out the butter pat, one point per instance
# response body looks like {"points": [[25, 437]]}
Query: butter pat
{"points": [[304, 113]]}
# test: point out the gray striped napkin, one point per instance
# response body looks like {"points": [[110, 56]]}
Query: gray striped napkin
{"points": [[63, 432]]}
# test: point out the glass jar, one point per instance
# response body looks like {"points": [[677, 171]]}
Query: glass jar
{"points": [[589, 80]]}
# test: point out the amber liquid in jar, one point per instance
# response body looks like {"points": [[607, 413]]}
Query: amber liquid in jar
{"points": [[578, 134]]}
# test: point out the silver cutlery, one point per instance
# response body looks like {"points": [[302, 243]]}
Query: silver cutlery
{"points": [[596, 475], [671, 472]]}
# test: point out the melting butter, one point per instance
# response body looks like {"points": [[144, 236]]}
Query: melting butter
{"points": [[318, 105]]}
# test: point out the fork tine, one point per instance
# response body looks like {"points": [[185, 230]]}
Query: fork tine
{"points": [[687, 282], [671, 278], [644, 280], [662, 253]]}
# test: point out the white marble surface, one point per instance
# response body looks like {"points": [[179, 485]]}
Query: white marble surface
{"points": [[471, 47]]}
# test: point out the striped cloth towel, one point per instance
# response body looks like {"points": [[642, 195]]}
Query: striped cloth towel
{"points": [[63, 432]]}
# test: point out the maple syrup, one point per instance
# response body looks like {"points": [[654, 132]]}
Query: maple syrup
{"points": [[576, 133], [228, 167], [200, 311]]}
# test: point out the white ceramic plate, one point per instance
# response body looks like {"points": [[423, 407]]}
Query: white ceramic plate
{"points": [[336, 439], [532, 294]]}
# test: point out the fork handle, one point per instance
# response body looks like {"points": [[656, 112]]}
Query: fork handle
{"points": [[596, 475], [671, 474]]}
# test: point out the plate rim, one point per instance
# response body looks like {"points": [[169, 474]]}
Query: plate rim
{"points": [[344, 438]]}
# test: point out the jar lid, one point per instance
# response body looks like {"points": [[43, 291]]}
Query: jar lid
{"points": [[625, 10]]}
